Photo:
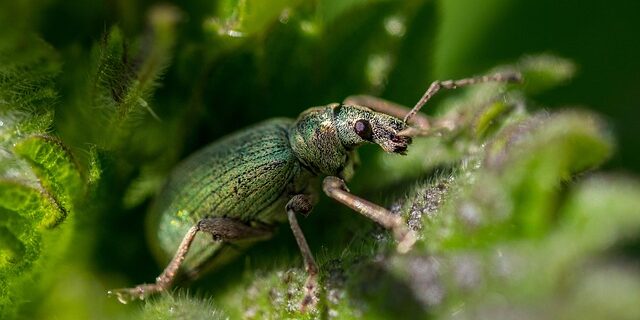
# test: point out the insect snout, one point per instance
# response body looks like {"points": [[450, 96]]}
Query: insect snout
{"points": [[400, 143]]}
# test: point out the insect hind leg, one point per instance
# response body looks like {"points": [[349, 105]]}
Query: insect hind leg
{"points": [[221, 229]]}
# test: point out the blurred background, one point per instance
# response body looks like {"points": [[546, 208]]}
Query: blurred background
{"points": [[341, 46], [131, 87]]}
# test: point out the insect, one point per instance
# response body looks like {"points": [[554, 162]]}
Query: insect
{"points": [[234, 191]]}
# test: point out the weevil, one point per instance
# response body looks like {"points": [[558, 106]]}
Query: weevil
{"points": [[234, 191]]}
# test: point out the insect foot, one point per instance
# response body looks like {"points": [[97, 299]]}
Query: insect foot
{"points": [[126, 295], [310, 298]]}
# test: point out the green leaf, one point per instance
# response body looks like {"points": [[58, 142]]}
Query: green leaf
{"points": [[543, 72], [27, 68], [180, 306], [61, 174], [124, 75], [539, 155], [39, 179]]}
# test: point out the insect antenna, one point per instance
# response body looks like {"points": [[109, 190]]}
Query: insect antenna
{"points": [[454, 84]]}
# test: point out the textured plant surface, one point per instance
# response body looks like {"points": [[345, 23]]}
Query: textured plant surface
{"points": [[515, 219]]}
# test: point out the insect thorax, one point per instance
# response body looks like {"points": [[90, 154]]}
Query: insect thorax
{"points": [[315, 142]]}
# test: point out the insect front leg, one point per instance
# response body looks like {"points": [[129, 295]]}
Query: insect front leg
{"points": [[335, 188], [222, 229], [302, 204]]}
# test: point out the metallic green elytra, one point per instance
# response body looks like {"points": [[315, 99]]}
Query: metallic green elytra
{"points": [[234, 191], [246, 176]]}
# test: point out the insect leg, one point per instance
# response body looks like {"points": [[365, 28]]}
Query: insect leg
{"points": [[335, 188], [222, 229], [302, 204], [164, 280], [388, 107]]}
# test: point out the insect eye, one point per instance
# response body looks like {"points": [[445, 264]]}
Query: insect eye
{"points": [[363, 129]]}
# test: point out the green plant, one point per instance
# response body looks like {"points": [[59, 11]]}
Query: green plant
{"points": [[98, 102]]}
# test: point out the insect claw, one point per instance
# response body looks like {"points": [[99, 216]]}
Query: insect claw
{"points": [[121, 294], [309, 299], [127, 295], [307, 302]]}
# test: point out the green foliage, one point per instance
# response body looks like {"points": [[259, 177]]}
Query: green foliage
{"points": [[39, 179], [99, 102], [180, 306], [123, 76]]}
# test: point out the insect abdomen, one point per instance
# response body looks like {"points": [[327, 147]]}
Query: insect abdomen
{"points": [[239, 176]]}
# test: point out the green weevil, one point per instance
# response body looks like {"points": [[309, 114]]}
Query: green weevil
{"points": [[232, 192]]}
